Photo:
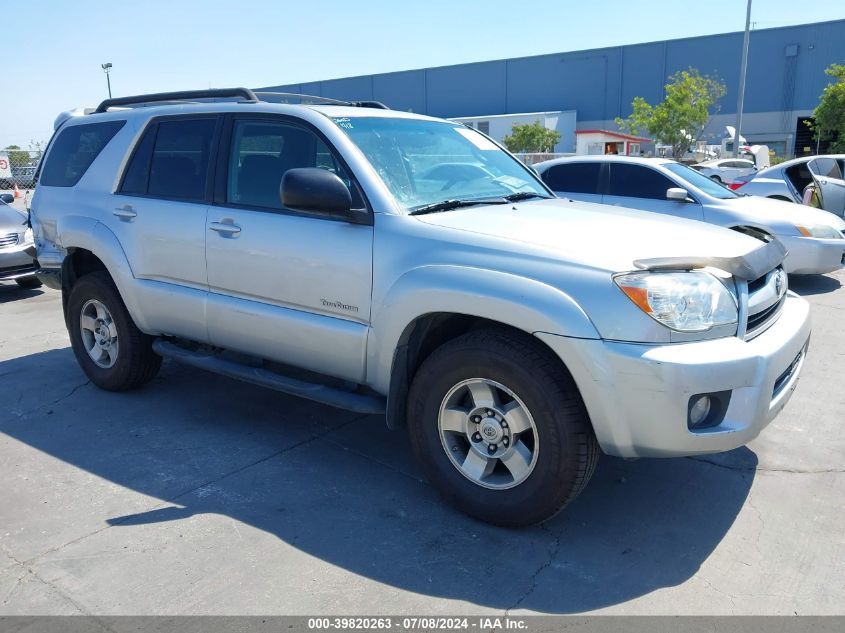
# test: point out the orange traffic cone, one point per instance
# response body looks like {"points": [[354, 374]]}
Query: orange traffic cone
{"points": [[17, 191]]}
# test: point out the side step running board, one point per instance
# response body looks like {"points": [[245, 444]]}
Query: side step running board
{"points": [[312, 391]]}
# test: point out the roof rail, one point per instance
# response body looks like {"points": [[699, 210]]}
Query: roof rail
{"points": [[181, 96], [325, 100]]}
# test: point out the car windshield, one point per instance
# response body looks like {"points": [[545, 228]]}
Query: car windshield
{"points": [[428, 162], [700, 181]]}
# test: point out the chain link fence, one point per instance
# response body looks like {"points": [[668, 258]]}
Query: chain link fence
{"points": [[17, 168]]}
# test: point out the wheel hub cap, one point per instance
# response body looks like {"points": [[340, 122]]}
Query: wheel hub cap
{"points": [[488, 433], [99, 334]]}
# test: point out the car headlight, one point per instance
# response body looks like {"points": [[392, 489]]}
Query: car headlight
{"points": [[27, 236], [684, 301], [819, 231]]}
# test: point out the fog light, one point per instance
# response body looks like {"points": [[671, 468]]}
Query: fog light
{"points": [[698, 411]]}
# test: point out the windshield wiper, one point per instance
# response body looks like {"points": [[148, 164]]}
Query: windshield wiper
{"points": [[447, 205], [525, 195]]}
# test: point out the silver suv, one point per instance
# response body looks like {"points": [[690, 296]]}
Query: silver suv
{"points": [[398, 264]]}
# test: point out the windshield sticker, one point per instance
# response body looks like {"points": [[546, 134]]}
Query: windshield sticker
{"points": [[345, 122], [481, 142]]}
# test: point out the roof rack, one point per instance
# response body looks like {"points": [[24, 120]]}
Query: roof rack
{"points": [[181, 96], [246, 95]]}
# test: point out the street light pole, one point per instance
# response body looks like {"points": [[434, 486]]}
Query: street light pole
{"points": [[742, 67], [106, 69]]}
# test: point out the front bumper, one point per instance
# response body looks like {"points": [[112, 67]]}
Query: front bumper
{"points": [[17, 261], [810, 255], [637, 396]]}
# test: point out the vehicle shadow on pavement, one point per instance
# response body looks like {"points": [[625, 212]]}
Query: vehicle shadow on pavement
{"points": [[336, 486], [813, 284], [13, 292]]}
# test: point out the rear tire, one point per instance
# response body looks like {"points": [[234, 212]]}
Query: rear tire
{"points": [[535, 410], [28, 282], [111, 350]]}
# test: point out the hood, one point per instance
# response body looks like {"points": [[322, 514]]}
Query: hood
{"points": [[779, 215], [599, 236], [11, 220]]}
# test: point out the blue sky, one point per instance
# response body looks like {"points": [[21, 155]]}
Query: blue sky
{"points": [[53, 48]]}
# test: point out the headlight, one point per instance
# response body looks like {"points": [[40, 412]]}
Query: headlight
{"points": [[27, 236], [686, 302], [821, 232]]}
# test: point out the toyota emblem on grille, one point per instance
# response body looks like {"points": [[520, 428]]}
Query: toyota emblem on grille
{"points": [[780, 283]]}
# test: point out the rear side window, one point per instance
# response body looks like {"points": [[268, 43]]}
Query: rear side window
{"points": [[636, 181], [171, 160], [74, 149], [574, 178]]}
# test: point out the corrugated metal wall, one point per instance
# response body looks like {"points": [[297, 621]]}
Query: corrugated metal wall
{"points": [[600, 84]]}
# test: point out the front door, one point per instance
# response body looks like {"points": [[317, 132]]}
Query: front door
{"points": [[285, 285], [641, 187]]}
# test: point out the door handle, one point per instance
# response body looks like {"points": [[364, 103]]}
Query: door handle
{"points": [[225, 228], [126, 212]]}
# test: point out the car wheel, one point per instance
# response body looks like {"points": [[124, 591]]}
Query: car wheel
{"points": [[28, 282], [499, 428], [717, 179], [111, 350]]}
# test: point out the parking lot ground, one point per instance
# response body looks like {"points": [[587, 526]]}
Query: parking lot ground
{"points": [[202, 495]]}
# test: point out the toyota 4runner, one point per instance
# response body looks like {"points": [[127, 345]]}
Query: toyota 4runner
{"points": [[398, 264]]}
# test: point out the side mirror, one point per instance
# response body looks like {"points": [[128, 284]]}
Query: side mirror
{"points": [[7, 198], [315, 189], [676, 193]]}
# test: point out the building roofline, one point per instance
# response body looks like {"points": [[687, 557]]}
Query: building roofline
{"points": [[572, 52], [627, 137]]}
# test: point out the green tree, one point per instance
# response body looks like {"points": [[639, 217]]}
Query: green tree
{"points": [[830, 113], [691, 99], [17, 157], [531, 137]]}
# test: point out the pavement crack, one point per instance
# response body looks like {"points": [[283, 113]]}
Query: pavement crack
{"points": [[19, 413], [747, 469], [553, 551]]}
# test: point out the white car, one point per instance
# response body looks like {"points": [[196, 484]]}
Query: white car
{"points": [[726, 170], [813, 238]]}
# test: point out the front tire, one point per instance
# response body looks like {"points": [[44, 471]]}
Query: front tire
{"points": [[499, 428], [111, 350]]}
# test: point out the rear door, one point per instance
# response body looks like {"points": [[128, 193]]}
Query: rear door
{"points": [[286, 285], [579, 181], [159, 216], [642, 187], [829, 183]]}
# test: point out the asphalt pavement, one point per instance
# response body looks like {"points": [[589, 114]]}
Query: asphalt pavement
{"points": [[202, 495]]}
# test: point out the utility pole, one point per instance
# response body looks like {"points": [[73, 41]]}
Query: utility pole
{"points": [[742, 67], [106, 69]]}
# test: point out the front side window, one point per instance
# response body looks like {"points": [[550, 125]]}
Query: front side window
{"points": [[699, 181], [74, 149], [262, 151], [425, 162], [826, 168], [171, 160], [574, 177], [638, 181]]}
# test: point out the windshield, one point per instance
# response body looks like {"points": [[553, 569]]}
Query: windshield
{"points": [[427, 162], [700, 181]]}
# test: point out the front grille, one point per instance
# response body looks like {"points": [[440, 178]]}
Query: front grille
{"points": [[766, 297], [10, 239]]}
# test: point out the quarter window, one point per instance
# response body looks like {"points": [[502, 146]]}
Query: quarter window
{"points": [[262, 151], [636, 181], [574, 177], [74, 150], [826, 167]]}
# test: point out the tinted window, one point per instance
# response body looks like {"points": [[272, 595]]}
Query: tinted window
{"points": [[135, 180], [637, 181], [574, 177], [826, 167], [262, 151], [179, 165], [74, 150]]}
